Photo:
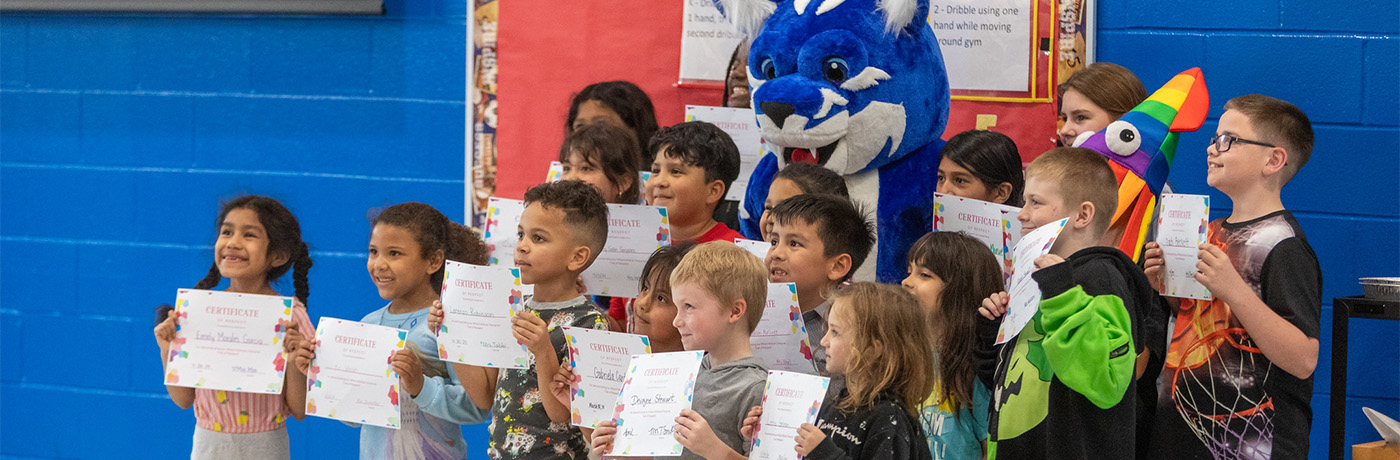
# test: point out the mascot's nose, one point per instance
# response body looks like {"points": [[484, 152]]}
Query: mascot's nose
{"points": [[776, 111]]}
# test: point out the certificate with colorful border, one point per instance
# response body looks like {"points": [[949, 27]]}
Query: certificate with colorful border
{"points": [[780, 339], [757, 248], [1181, 230], [599, 359], [478, 303], [634, 232], [502, 228], [228, 341], [657, 388], [789, 400], [1023, 290], [352, 377], [995, 225]]}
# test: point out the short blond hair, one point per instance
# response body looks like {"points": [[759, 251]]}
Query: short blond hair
{"points": [[1083, 175], [726, 272]]}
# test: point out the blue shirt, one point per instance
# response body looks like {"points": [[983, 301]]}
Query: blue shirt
{"points": [[960, 436], [431, 422]]}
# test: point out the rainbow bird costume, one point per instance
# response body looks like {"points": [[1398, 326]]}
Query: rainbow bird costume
{"points": [[1140, 147]]}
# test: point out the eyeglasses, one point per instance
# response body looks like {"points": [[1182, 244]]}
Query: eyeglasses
{"points": [[1224, 141]]}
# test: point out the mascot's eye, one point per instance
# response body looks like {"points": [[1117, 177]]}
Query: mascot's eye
{"points": [[768, 70], [1122, 138], [835, 70]]}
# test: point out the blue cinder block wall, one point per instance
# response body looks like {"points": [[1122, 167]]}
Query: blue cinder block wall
{"points": [[1336, 60], [119, 136]]}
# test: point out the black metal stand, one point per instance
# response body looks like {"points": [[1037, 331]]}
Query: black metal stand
{"points": [[1343, 309]]}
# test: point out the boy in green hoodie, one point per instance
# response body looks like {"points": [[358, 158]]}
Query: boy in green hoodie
{"points": [[1059, 385]]}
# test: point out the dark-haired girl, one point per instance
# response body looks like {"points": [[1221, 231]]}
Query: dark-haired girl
{"points": [[259, 240], [618, 103], [950, 273], [982, 165], [408, 246]]}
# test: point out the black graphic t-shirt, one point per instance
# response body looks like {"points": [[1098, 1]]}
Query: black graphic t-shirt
{"points": [[1220, 397]]}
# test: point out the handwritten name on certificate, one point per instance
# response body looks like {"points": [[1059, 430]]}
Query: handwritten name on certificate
{"points": [[599, 359], [655, 391], [757, 248], [995, 225], [780, 339], [352, 376], [228, 341], [1181, 230], [1024, 291], [634, 232], [478, 303], [789, 400]]}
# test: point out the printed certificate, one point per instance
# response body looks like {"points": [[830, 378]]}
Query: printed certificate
{"points": [[789, 400], [228, 341], [1181, 230], [657, 388], [1024, 292], [600, 360], [352, 377], [634, 232], [478, 303], [780, 339]]}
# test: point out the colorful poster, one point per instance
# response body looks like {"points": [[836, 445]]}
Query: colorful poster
{"points": [[352, 377], [780, 339], [757, 248], [1181, 230], [995, 225], [1024, 292], [634, 232], [742, 126], [649, 403], [482, 148], [707, 42], [986, 44], [599, 359], [478, 303], [789, 400], [228, 341]]}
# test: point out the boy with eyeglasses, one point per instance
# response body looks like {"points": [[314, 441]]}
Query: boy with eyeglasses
{"points": [[1239, 369]]}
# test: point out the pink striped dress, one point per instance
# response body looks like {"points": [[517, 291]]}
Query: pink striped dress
{"points": [[236, 412]]}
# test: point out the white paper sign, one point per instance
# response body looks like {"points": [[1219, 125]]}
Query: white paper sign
{"points": [[757, 248], [634, 232], [352, 376], [707, 42], [1024, 292], [657, 388], [741, 125], [780, 339], [1181, 230], [228, 341], [502, 228], [986, 44], [990, 223], [789, 400], [599, 359], [478, 303], [556, 171]]}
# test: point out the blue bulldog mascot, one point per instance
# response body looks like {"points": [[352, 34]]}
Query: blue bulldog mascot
{"points": [[856, 86]]}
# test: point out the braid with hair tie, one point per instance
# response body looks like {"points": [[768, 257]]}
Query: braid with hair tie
{"points": [[299, 269], [210, 280]]}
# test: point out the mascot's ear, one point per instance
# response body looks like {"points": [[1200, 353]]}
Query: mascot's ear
{"points": [[747, 15], [901, 15]]}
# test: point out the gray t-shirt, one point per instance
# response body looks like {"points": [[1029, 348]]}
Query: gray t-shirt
{"points": [[724, 394]]}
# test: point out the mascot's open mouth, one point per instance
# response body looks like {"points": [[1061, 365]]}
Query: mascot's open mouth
{"points": [[801, 155]]}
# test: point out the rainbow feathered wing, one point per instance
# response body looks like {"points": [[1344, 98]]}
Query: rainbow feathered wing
{"points": [[1141, 146]]}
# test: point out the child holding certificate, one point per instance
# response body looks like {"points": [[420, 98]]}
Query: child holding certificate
{"points": [[878, 338], [606, 157], [407, 247], [950, 273], [563, 229], [1245, 359], [1066, 380], [259, 241], [982, 165], [720, 293]]}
